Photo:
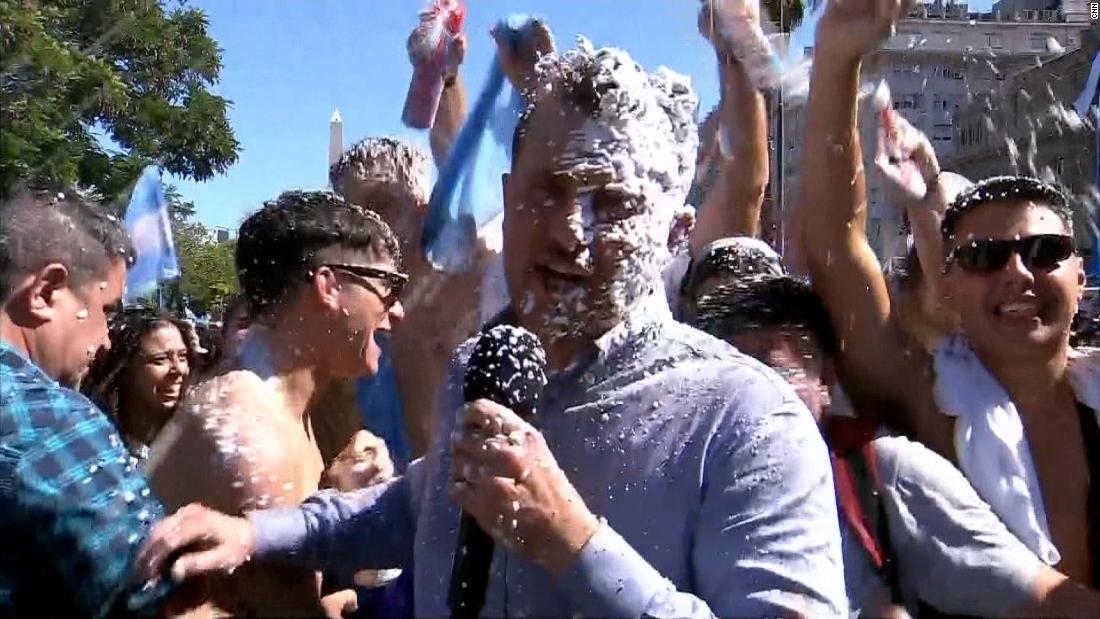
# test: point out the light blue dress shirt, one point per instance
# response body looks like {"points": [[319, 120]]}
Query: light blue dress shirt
{"points": [[710, 473]]}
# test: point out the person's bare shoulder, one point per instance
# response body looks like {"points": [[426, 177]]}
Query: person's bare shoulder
{"points": [[227, 441]]}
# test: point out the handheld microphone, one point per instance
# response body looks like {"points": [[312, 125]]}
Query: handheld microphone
{"points": [[507, 366]]}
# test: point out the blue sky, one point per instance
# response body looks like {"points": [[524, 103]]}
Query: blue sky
{"points": [[288, 63]]}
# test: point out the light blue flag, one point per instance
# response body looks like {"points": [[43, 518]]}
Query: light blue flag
{"points": [[150, 231], [1083, 104], [468, 194]]}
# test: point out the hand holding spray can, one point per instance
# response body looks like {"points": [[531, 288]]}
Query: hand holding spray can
{"points": [[427, 46]]}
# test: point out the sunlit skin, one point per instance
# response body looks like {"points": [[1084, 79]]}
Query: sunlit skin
{"points": [[246, 432], [442, 308], [60, 323], [1018, 321], [234, 330], [1014, 314]]}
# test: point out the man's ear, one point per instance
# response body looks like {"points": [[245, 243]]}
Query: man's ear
{"points": [[683, 222], [42, 295], [326, 287]]}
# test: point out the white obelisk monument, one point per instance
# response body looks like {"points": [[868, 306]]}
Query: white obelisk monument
{"points": [[335, 138]]}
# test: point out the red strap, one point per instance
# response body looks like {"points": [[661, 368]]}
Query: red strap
{"points": [[845, 434], [852, 507]]}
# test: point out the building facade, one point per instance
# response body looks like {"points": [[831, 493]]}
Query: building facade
{"points": [[942, 59], [1029, 126]]}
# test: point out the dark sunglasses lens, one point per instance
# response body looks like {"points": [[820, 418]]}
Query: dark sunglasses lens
{"points": [[983, 256], [1046, 252], [397, 286]]}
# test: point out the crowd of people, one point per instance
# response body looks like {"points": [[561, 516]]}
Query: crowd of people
{"points": [[724, 431]]}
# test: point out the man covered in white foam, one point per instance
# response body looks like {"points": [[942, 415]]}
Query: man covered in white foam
{"points": [[664, 475]]}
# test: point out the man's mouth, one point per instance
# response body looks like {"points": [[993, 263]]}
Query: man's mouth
{"points": [[556, 276]]}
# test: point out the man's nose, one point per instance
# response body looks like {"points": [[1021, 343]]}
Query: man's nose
{"points": [[565, 223], [1016, 273], [394, 315]]}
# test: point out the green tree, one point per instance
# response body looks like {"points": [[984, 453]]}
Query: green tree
{"points": [[133, 73], [208, 271]]}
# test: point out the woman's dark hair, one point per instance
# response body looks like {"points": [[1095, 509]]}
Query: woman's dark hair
{"points": [[108, 375]]}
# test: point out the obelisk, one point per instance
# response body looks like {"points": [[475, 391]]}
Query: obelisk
{"points": [[335, 138]]}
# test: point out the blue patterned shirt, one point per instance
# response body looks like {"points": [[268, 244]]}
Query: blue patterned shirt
{"points": [[73, 506]]}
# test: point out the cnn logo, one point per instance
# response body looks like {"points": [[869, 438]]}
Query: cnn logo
{"points": [[1094, 10]]}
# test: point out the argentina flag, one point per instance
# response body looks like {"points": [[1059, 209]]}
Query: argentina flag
{"points": [[147, 224]]}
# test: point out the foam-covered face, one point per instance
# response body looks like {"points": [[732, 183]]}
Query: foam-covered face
{"points": [[1014, 312], [389, 179], [585, 225]]}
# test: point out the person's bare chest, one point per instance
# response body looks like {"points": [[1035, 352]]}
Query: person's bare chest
{"points": [[1058, 453]]}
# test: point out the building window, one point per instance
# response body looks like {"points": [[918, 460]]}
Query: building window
{"points": [[1038, 41], [994, 40]]}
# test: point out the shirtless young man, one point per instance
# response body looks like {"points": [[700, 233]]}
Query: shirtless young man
{"points": [[1012, 278], [321, 276], [391, 177]]}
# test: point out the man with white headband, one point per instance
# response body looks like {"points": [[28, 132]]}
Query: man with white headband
{"points": [[669, 475]]}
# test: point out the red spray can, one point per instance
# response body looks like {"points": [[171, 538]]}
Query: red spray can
{"points": [[428, 48]]}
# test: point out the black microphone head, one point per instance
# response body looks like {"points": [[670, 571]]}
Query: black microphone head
{"points": [[508, 366]]}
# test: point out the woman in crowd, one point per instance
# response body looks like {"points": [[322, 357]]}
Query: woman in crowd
{"points": [[143, 377]]}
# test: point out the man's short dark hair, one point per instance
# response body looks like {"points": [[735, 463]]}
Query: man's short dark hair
{"points": [[43, 227], [1005, 189], [765, 302], [277, 245], [730, 258]]}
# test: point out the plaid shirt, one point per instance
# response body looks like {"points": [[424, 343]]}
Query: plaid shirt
{"points": [[73, 508]]}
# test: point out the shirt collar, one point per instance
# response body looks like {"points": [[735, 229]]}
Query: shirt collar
{"points": [[619, 344]]}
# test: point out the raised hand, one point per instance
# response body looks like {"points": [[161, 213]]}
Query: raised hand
{"points": [[905, 159], [851, 29], [721, 20], [518, 64]]}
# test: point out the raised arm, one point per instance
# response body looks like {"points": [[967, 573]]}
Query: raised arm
{"points": [[907, 164], [884, 373], [732, 206], [453, 107], [518, 65]]}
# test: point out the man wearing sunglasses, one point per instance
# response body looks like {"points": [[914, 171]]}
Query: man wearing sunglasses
{"points": [[321, 278], [1006, 399]]}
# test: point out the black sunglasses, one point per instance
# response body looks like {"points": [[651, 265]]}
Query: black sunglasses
{"points": [[395, 281], [1039, 253]]}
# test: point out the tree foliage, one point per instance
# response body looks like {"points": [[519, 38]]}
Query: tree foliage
{"points": [[208, 271], [78, 74]]}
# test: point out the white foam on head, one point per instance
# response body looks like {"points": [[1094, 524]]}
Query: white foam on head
{"points": [[376, 163], [641, 134]]}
